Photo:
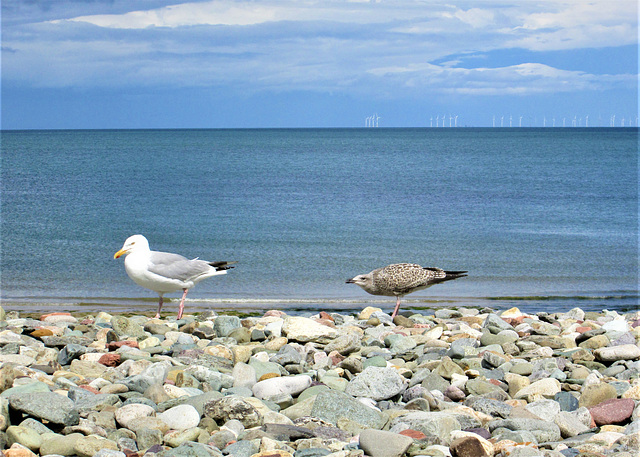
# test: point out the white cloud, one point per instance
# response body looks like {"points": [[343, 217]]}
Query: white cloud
{"points": [[591, 36], [189, 14], [476, 17], [563, 25], [521, 79], [571, 14], [229, 12], [386, 47]]}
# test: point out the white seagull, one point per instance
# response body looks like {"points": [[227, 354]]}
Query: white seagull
{"points": [[399, 279], [164, 272]]}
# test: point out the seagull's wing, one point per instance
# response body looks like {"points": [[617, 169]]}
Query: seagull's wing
{"points": [[175, 266], [404, 278], [396, 276]]}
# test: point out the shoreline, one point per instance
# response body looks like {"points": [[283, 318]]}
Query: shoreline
{"points": [[452, 382], [620, 300]]}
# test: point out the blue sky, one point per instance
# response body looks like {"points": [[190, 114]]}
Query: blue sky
{"points": [[328, 63]]}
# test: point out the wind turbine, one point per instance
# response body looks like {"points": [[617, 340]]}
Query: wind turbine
{"points": [[377, 120], [431, 122], [613, 120], [456, 120], [450, 119], [510, 120], [494, 120], [520, 122], [437, 120], [502, 121], [544, 121], [554, 121], [586, 121]]}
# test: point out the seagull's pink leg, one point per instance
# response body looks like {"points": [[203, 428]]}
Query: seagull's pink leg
{"points": [[159, 308], [395, 311], [181, 308]]}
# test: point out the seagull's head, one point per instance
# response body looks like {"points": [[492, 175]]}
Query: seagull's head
{"points": [[133, 243], [364, 281]]}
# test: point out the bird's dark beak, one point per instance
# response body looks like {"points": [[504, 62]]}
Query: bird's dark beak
{"points": [[350, 281]]}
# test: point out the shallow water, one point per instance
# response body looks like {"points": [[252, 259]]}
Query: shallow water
{"points": [[543, 219]]}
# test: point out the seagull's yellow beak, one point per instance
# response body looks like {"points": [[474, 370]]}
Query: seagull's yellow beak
{"points": [[119, 253]]}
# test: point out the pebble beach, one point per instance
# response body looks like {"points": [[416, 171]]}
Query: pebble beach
{"points": [[450, 382]]}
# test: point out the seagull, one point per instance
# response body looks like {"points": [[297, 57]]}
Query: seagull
{"points": [[164, 272], [400, 279]]}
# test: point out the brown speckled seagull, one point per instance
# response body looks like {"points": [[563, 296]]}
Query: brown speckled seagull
{"points": [[399, 279]]}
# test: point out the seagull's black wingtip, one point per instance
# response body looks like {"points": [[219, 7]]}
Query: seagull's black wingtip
{"points": [[222, 265]]}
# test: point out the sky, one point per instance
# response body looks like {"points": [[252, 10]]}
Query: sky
{"points": [[78, 64]]}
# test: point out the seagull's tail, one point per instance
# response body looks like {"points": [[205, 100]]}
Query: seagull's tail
{"points": [[456, 274], [448, 275], [222, 265]]}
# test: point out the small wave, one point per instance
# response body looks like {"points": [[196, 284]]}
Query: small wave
{"points": [[302, 301], [563, 297], [622, 300], [224, 300]]}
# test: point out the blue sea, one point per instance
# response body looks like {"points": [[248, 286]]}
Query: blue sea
{"points": [[543, 219]]}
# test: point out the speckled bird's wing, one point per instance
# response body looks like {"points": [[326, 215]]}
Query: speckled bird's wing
{"points": [[401, 278]]}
